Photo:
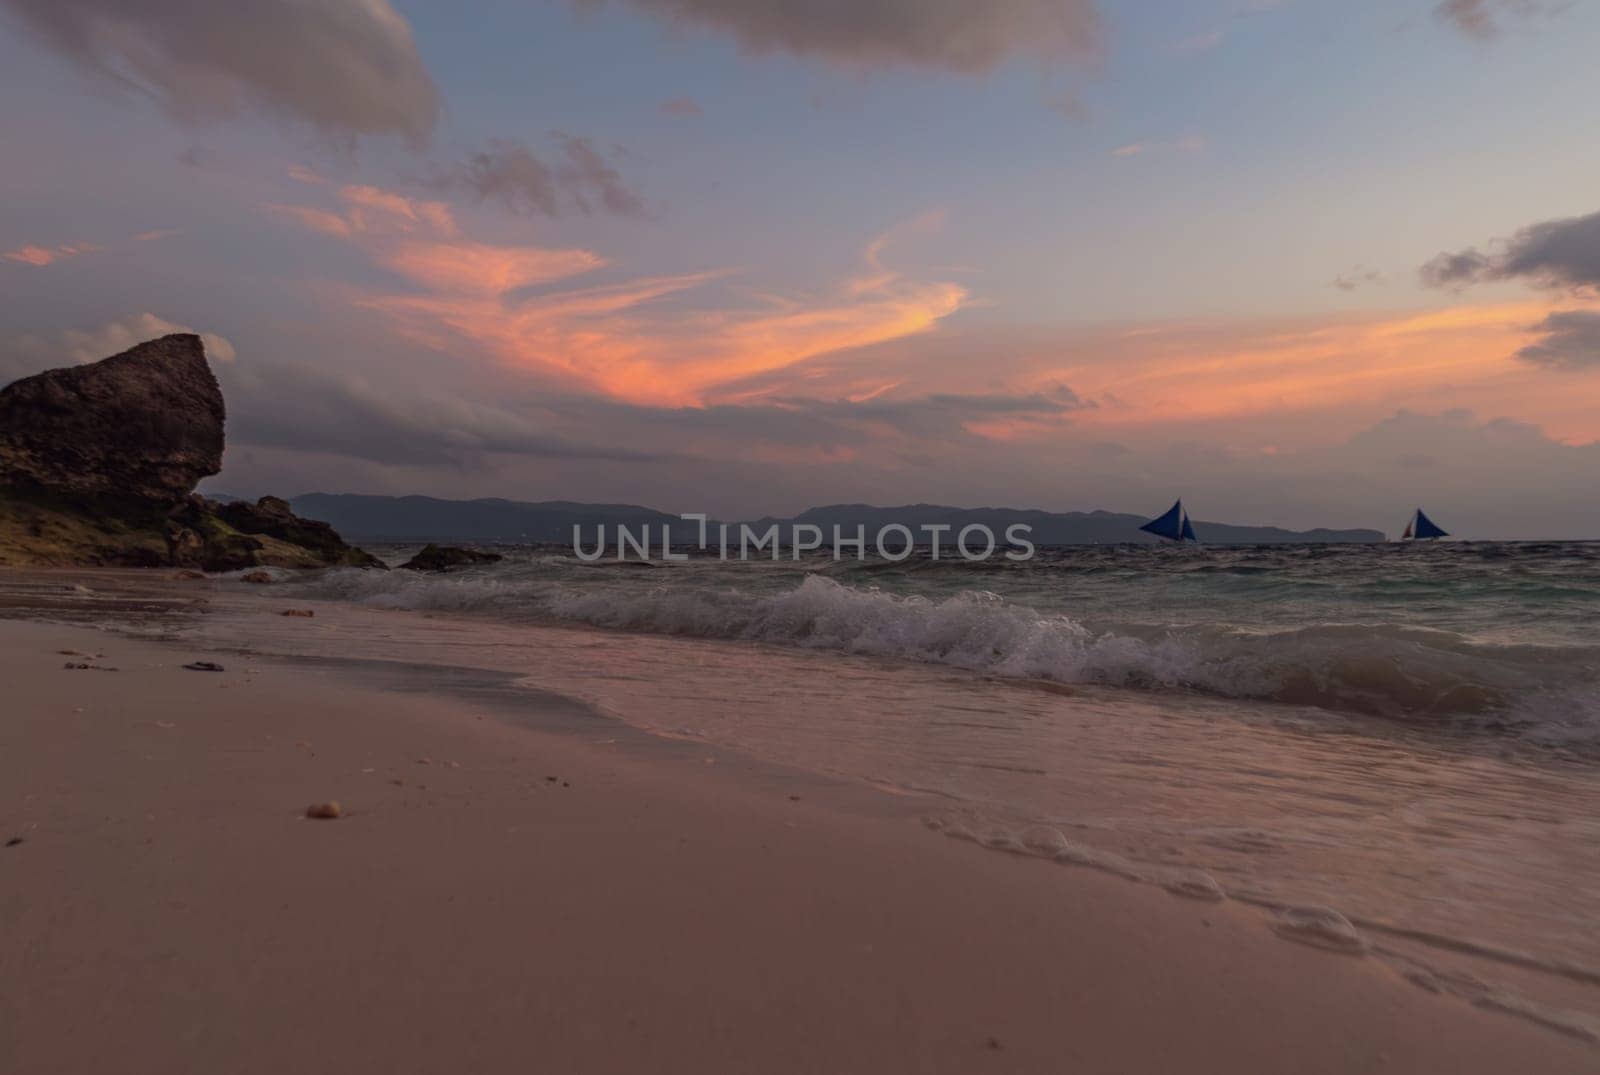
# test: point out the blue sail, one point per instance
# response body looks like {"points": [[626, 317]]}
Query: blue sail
{"points": [[1427, 528], [1188, 531], [1169, 525]]}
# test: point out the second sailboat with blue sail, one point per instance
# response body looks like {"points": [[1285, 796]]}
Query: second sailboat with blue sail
{"points": [[1174, 525], [1421, 528]]}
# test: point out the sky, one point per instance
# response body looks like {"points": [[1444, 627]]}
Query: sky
{"points": [[1301, 262]]}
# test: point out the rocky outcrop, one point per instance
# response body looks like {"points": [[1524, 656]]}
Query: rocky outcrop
{"points": [[145, 425], [269, 519], [98, 465], [444, 557]]}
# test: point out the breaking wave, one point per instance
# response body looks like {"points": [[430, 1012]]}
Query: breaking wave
{"points": [[1411, 673]]}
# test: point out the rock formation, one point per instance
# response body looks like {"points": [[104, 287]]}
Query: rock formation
{"points": [[145, 425], [98, 465], [444, 557]]}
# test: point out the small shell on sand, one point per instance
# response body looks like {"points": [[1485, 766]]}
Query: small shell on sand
{"points": [[327, 811]]}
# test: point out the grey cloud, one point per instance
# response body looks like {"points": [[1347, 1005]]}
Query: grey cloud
{"points": [[681, 106], [297, 407], [510, 173], [951, 35], [589, 179], [714, 431], [1357, 277], [1555, 253], [1571, 341], [940, 413], [344, 67], [1481, 18]]}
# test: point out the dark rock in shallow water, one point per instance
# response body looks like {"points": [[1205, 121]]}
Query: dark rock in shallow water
{"points": [[145, 425], [444, 557], [98, 465]]}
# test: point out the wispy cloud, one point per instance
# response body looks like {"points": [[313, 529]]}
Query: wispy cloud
{"points": [[1358, 277], [618, 338], [1189, 144], [484, 268], [342, 67], [40, 256], [967, 38], [510, 173], [1483, 19], [681, 106], [362, 209]]}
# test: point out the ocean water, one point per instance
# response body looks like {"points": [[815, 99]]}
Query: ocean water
{"points": [[1493, 636]]}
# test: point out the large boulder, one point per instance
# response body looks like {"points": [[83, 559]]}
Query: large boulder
{"points": [[145, 425], [98, 465]]}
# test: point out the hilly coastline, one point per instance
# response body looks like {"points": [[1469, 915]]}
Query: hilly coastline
{"points": [[491, 520]]}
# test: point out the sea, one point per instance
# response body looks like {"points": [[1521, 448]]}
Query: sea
{"points": [[1392, 750]]}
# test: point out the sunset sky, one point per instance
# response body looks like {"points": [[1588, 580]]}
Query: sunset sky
{"points": [[1302, 262]]}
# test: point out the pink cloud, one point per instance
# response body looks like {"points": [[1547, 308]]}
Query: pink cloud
{"points": [[40, 256], [318, 220], [616, 339], [484, 269]]}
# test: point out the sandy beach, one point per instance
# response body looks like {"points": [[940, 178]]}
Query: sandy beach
{"points": [[504, 896]]}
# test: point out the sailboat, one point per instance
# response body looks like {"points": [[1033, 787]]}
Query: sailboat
{"points": [[1421, 528], [1174, 525]]}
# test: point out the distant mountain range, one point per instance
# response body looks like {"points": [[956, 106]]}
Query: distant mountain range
{"points": [[423, 518]]}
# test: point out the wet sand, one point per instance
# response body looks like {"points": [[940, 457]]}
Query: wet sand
{"points": [[501, 898]]}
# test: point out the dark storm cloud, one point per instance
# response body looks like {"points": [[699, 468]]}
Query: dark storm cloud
{"points": [[953, 35], [513, 175], [945, 413], [295, 406], [1571, 341], [821, 423], [344, 67], [1555, 253]]}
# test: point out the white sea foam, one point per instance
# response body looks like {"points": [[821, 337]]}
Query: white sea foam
{"points": [[1392, 671], [1320, 927]]}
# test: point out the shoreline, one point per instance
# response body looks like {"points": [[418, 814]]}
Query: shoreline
{"points": [[645, 910]]}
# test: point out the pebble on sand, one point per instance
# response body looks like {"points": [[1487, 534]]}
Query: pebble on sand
{"points": [[204, 666], [327, 811], [298, 612]]}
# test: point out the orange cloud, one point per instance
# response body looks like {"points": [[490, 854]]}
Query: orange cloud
{"points": [[618, 339], [318, 220], [368, 210], [482, 269], [401, 211], [1187, 372], [40, 256]]}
